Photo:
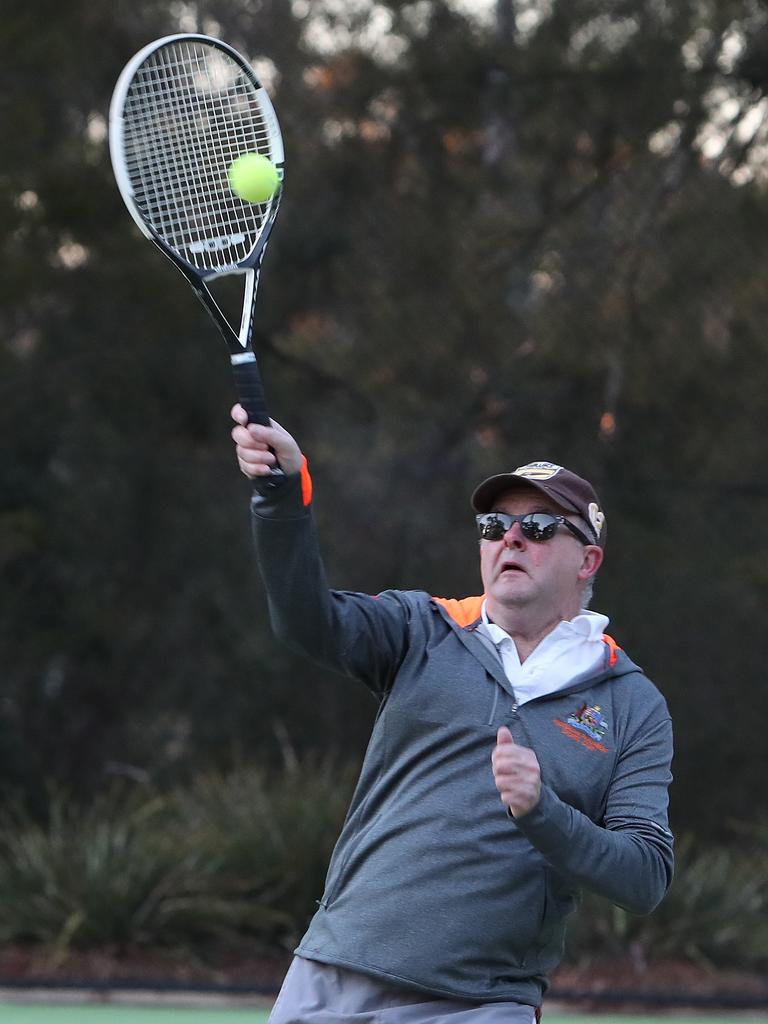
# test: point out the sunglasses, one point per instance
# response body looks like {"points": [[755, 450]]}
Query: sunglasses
{"points": [[538, 526]]}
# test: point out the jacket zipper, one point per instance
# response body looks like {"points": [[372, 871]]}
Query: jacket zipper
{"points": [[495, 704], [513, 719]]}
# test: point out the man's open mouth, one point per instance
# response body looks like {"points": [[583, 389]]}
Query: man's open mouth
{"points": [[511, 567]]}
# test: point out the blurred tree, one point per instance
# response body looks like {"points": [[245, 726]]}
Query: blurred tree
{"points": [[525, 230]]}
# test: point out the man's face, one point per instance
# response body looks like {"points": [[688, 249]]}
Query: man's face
{"points": [[545, 577]]}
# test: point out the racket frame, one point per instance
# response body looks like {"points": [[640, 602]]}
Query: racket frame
{"points": [[242, 356]]}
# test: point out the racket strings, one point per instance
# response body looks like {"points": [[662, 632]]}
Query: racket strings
{"points": [[189, 183], [189, 112]]}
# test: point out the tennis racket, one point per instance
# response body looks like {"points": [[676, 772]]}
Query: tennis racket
{"points": [[184, 108]]}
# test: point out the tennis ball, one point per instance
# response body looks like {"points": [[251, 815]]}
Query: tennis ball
{"points": [[253, 177]]}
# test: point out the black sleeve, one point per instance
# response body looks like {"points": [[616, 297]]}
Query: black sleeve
{"points": [[360, 635]]}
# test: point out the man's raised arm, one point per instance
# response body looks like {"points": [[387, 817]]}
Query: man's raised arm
{"points": [[359, 635]]}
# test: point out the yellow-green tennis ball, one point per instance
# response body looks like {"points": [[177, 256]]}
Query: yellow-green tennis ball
{"points": [[253, 178]]}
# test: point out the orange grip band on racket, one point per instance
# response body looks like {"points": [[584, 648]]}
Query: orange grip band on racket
{"points": [[306, 482]]}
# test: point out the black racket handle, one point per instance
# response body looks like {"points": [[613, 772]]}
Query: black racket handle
{"points": [[250, 391]]}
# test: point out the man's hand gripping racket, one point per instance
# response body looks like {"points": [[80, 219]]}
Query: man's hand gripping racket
{"points": [[259, 448], [184, 109]]}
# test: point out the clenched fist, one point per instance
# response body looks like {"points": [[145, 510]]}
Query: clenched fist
{"points": [[516, 773]]}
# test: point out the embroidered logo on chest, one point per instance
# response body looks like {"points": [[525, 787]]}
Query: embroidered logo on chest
{"points": [[587, 726]]}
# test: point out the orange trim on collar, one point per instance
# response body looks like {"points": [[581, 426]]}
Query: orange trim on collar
{"points": [[613, 649], [306, 482], [466, 610], [463, 611]]}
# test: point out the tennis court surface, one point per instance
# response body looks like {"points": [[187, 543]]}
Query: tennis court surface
{"points": [[51, 1013]]}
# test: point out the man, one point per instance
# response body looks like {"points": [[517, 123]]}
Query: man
{"points": [[443, 906]]}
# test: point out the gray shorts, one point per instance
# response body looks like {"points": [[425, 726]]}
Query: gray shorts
{"points": [[316, 993]]}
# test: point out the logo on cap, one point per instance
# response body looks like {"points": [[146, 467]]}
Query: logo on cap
{"points": [[537, 470], [596, 518]]}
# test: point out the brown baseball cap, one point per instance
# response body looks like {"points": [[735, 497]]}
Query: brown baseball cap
{"points": [[571, 492]]}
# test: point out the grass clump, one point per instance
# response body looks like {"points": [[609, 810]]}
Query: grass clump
{"points": [[228, 856], [238, 860]]}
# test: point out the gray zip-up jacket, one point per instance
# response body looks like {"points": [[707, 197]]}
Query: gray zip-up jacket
{"points": [[431, 884]]}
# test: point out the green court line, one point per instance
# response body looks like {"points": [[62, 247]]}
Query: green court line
{"points": [[111, 1014], [74, 1014]]}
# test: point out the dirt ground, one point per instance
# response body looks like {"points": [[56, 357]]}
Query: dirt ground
{"points": [[593, 985]]}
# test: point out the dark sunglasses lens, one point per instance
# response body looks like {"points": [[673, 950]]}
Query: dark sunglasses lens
{"points": [[539, 526], [491, 527]]}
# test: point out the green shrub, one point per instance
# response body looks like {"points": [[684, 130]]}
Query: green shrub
{"points": [[226, 857], [241, 858], [105, 874]]}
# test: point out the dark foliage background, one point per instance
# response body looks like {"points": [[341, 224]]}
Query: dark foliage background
{"points": [[537, 235]]}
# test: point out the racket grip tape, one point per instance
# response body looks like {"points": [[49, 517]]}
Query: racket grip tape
{"points": [[250, 392]]}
